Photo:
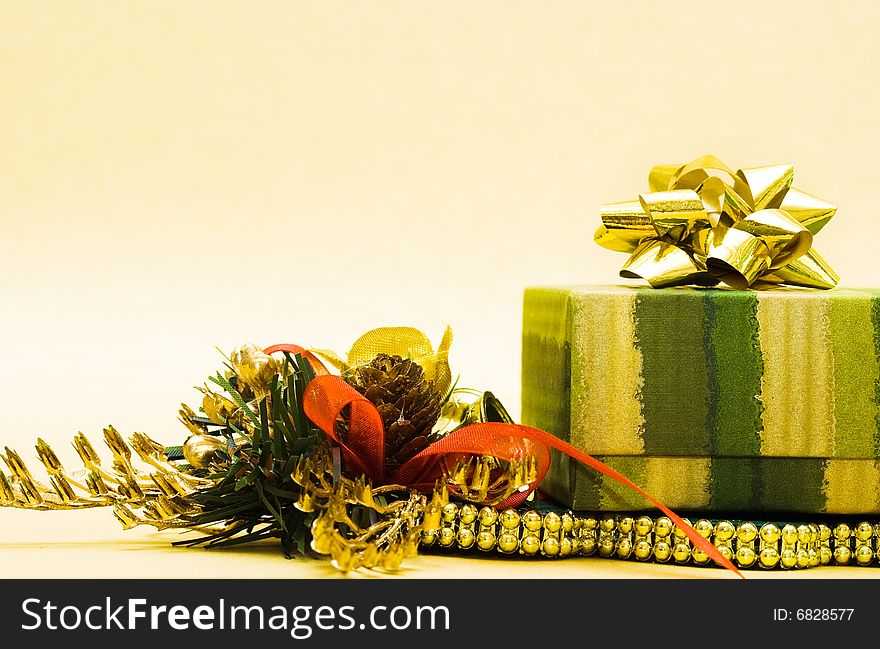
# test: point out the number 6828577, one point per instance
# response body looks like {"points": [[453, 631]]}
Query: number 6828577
{"points": [[824, 614]]}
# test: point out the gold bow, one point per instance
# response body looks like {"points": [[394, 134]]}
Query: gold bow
{"points": [[703, 223]]}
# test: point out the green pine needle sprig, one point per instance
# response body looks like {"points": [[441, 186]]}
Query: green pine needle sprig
{"points": [[254, 496]]}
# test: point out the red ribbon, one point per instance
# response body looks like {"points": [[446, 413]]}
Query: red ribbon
{"points": [[364, 448], [317, 366]]}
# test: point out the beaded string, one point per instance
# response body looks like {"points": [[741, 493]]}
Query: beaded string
{"points": [[748, 544]]}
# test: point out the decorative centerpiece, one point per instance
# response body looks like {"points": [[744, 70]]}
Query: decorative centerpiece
{"points": [[363, 466], [731, 403]]}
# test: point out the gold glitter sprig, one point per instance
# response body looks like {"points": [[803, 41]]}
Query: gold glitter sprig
{"points": [[159, 488]]}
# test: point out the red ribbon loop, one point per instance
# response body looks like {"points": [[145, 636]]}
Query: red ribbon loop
{"points": [[317, 366], [502, 441], [364, 451], [364, 447]]}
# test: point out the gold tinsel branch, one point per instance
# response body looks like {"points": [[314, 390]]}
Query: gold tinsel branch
{"points": [[162, 490]]}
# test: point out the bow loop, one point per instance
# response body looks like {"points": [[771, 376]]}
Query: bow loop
{"points": [[765, 187], [675, 214]]}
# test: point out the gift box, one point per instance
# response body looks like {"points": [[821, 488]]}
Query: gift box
{"points": [[710, 399]]}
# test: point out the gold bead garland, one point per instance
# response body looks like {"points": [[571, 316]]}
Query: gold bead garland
{"points": [[558, 534]]}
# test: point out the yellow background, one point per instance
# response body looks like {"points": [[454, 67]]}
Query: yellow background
{"points": [[179, 175]]}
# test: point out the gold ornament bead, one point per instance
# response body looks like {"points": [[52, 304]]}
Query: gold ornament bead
{"points": [[201, 450], [552, 522], [679, 533], [864, 531], [824, 532], [768, 557], [567, 522], [789, 534], [747, 532], [485, 541], [508, 543], [681, 552], [509, 519], [428, 538], [803, 558], [644, 526], [488, 516], [788, 559], [813, 557], [566, 547], [842, 532], [532, 521], [842, 555], [254, 367], [624, 548], [642, 550], [606, 547], [467, 514], [450, 511], [530, 545], [590, 523], [805, 534], [550, 547], [724, 530], [663, 527], [662, 551], [465, 538], [746, 556], [864, 555], [588, 546], [770, 533], [825, 555], [699, 556], [607, 525], [625, 525], [447, 537], [704, 528]]}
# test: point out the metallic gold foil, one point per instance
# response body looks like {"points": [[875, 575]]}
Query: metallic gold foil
{"points": [[405, 342], [469, 406], [254, 367], [162, 492], [702, 223], [200, 450]]}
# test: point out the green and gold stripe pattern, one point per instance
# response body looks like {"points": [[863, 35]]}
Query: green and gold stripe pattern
{"points": [[552, 533], [711, 399], [711, 484], [777, 373]]}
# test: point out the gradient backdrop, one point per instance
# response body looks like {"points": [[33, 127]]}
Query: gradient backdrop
{"points": [[176, 176]]}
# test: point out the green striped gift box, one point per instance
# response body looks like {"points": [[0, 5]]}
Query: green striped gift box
{"points": [[714, 399]]}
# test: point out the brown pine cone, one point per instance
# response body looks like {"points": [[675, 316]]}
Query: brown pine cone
{"points": [[408, 404]]}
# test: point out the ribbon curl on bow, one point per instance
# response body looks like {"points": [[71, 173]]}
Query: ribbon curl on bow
{"points": [[363, 449], [703, 223]]}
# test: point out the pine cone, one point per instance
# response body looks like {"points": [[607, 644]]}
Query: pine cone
{"points": [[408, 404]]}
